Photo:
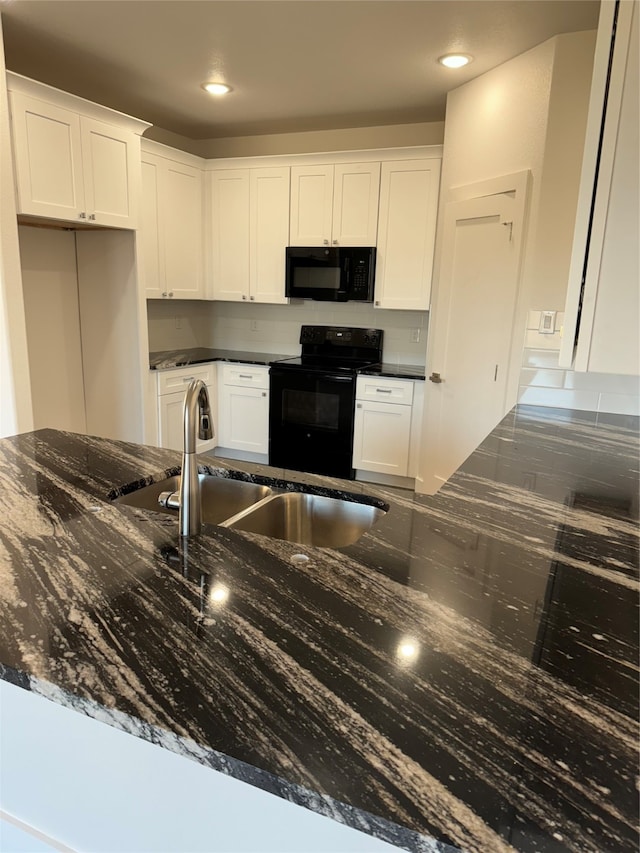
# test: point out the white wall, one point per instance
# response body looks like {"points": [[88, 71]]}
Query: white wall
{"points": [[343, 139], [15, 389], [50, 288], [276, 328]]}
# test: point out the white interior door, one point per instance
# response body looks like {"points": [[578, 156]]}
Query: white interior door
{"points": [[477, 295]]}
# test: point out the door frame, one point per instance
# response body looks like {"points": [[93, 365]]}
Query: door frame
{"points": [[518, 186]]}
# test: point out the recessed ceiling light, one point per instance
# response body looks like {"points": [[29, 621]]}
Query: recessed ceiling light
{"points": [[216, 88], [455, 60]]}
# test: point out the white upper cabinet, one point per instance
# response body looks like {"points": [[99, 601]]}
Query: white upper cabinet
{"points": [[172, 230], [268, 231], [334, 205], [249, 229], [73, 160], [406, 233]]}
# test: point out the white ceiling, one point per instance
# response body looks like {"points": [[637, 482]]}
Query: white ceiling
{"points": [[294, 65]]}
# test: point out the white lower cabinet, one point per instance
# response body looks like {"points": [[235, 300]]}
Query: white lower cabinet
{"points": [[243, 403], [387, 425], [172, 385]]}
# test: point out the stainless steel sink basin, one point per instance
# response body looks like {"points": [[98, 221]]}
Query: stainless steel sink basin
{"points": [[308, 519], [221, 497]]}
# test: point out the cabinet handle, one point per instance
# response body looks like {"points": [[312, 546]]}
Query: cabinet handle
{"points": [[245, 376], [384, 390], [92, 216], [82, 215], [435, 377], [188, 378]]}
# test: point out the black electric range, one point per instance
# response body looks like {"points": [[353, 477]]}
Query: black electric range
{"points": [[312, 399]]}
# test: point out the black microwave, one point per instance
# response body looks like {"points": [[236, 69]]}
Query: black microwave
{"points": [[330, 275]]}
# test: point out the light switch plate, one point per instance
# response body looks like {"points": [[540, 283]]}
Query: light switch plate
{"points": [[547, 322]]}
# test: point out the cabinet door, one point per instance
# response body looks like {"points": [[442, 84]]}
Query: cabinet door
{"points": [[406, 233], [244, 419], [170, 418], [381, 438], [110, 157], [311, 205], [356, 191], [150, 228], [48, 159], [182, 230], [230, 234], [269, 226]]}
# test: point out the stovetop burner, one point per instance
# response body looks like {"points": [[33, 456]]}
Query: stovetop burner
{"points": [[336, 349]]}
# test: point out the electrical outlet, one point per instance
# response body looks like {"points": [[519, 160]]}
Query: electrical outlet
{"points": [[253, 325], [178, 322], [415, 336]]}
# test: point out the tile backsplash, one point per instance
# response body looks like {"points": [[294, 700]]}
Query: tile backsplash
{"points": [[544, 383], [276, 328]]}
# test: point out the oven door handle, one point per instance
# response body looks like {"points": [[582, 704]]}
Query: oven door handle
{"points": [[325, 377]]}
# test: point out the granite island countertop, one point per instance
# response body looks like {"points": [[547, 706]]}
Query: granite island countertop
{"points": [[466, 674]]}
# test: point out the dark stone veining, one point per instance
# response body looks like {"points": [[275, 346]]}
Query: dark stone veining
{"points": [[166, 359], [399, 371], [465, 676]]}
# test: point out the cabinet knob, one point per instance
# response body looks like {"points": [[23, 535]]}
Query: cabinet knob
{"points": [[251, 298], [82, 215], [326, 242], [435, 377], [164, 294], [171, 294], [377, 303], [264, 393], [244, 296], [92, 216], [335, 242]]}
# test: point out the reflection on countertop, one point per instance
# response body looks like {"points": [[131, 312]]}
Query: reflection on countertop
{"points": [[466, 672]]}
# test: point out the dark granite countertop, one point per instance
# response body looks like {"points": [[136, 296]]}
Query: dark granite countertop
{"points": [[166, 359], [393, 370], [466, 674]]}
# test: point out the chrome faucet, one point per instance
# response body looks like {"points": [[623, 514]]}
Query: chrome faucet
{"points": [[197, 410]]}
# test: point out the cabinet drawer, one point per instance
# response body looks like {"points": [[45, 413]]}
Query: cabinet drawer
{"points": [[245, 375], [385, 390], [170, 381]]}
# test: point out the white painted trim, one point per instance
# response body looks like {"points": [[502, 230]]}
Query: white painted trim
{"points": [[49, 94], [158, 149], [603, 187], [332, 157], [587, 179], [35, 833]]}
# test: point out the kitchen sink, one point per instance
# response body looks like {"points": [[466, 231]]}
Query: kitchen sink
{"points": [[308, 519], [221, 498]]}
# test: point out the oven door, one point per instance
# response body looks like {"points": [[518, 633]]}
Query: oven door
{"points": [[311, 421]]}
